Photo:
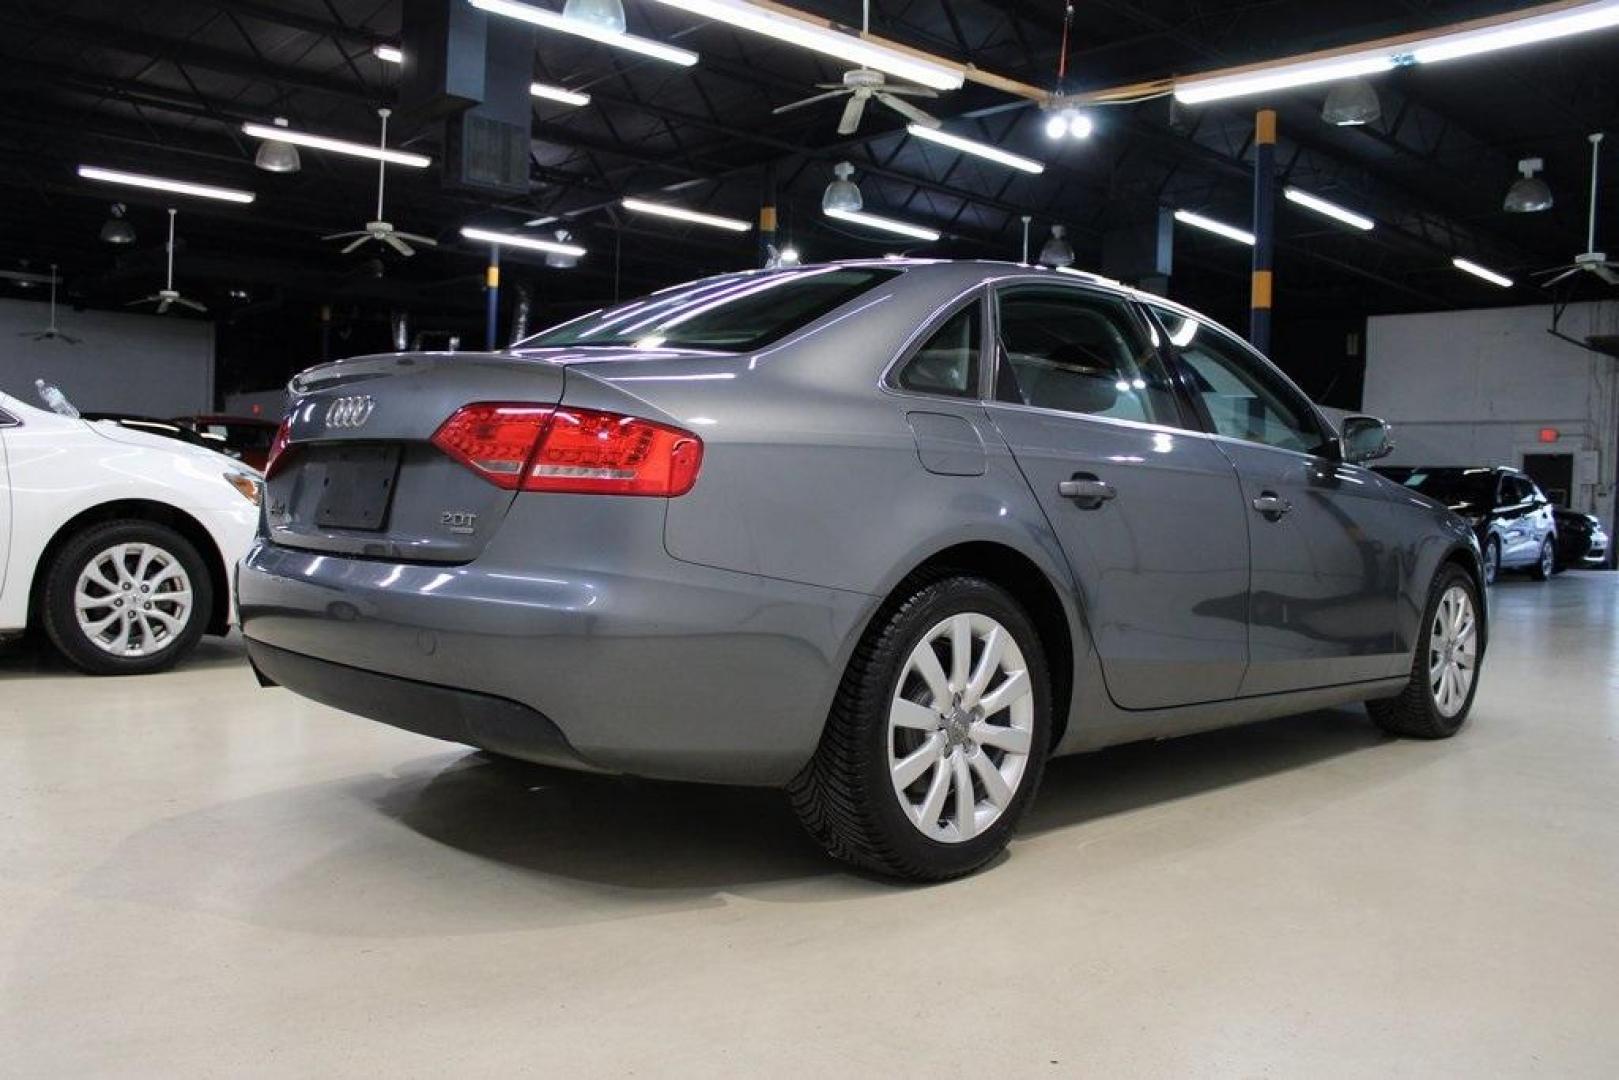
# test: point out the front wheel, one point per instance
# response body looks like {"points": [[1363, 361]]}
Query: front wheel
{"points": [[937, 738], [1546, 565], [1444, 674], [1492, 560], [126, 598]]}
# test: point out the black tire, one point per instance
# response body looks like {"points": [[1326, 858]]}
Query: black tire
{"points": [[62, 576], [1546, 563], [1492, 561], [1414, 714], [845, 797]]}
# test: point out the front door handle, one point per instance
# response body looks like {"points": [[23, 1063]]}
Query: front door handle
{"points": [[1087, 490], [1271, 506]]}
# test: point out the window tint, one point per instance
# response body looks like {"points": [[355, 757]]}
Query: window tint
{"points": [[1079, 352], [733, 313], [1245, 399], [948, 363], [1515, 489]]}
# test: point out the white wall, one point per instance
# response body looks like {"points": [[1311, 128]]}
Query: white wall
{"points": [[1476, 387], [137, 363]]}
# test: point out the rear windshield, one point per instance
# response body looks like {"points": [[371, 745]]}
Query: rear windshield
{"points": [[1474, 487], [735, 313]]}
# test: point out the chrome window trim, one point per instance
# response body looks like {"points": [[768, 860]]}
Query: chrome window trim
{"points": [[888, 381]]}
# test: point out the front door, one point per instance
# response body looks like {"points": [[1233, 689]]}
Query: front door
{"points": [[1324, 548], [1149, 514]]}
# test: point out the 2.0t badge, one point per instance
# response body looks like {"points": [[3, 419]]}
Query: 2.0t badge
{"points": [[349, 412]]}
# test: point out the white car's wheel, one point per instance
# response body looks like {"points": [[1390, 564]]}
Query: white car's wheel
{"points": [[126, 598]]}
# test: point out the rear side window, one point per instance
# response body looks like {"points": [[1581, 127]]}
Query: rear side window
{"points": [[734, 313], [948, 362], [1067, 349]]}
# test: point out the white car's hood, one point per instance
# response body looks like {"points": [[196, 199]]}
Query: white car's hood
{"points": [[107, 429]]}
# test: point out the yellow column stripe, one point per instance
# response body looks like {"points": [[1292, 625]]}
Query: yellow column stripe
{"points": [[1265, 126], [767, 219], [1262, 287], [491, 277]]}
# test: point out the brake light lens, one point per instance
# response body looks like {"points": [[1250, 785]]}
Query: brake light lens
{"points": [[278, 447], [564, 450]]}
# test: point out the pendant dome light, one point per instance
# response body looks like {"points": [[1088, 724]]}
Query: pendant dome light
{"points": [[1351, 103], [277, 156], [842, 193], [1057, 250], [1529, 193], [607, 14], [117, 229]]}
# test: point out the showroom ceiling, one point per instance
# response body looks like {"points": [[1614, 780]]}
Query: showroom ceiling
{"points": [[163, 86]]}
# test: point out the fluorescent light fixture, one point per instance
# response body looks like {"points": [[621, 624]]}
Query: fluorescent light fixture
{"points": [[1470, 267], [802, 31], [875, 221], [1328, 209], [158, 183], [1526, 31], [553, 20], [680, 213], [978, 149], [1281, 77], [558, 94], [1230, 232], [337, 146], [532, 243], [391, 54]]}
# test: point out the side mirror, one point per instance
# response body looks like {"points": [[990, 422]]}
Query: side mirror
{"points": [[1365, 438]]}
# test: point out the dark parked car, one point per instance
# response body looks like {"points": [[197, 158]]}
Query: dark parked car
{"points": [[886, 534], [1581, 539], [247, 437], [1513, 519]]}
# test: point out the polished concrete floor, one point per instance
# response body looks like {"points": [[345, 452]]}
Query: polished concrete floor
{"points": [[202, 878]]}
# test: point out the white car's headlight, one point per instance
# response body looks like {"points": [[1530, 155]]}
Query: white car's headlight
{"points": [[247, 485]]}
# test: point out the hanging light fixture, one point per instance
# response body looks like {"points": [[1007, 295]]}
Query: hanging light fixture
{"points": [[118, 230], [1057, 250], [1529, 193], [559, 258], [842, 194], [1351, 103], [276, 155], [607, 14]]}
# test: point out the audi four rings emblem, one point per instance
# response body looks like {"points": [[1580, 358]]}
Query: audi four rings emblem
{"points": [[349, 412]]}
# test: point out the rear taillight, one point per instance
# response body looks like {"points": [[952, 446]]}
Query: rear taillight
{"points": [[582, 451], [278, 447]]}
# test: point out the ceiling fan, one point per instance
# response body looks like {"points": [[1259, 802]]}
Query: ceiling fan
{"points": [[1591, 259], [168, 296], [51, 333], [379, 230], [861, 85]]}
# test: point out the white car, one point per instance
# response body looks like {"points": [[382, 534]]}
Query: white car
{"points": [[121, 545]]}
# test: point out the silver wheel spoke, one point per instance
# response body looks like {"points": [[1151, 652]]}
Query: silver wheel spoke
{"points": [[927, 817], [927, 666], [961, 650], [908, 714], [966, 805], [912, 768], [1013, 690], [988, 664], [1011, 739], [995, 788]]}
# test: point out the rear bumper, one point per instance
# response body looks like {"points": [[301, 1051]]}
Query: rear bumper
{"points": [[640, 663]]}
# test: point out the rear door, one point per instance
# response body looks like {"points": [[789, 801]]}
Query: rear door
{"points": [[1148, 513], [1325, 542]]}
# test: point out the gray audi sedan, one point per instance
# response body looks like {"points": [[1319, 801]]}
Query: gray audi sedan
{"points": [[886, 534]]}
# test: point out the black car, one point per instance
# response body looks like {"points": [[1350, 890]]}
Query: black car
{"points": [[1513, 519], [1581, 540]]}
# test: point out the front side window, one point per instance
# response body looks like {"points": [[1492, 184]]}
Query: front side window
{"points": [[1080, 352], [947, 363], [1244, 398], [731, 313]]}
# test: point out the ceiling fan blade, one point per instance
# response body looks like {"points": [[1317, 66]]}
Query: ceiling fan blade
{"points": [[144, 300], [812, 100], [192, 304], [345, 235], [417, 238], [907, 110], [350, 247], [1570, 272], [393, 241], [849, 122], [163, 306], [1606, 272], [911, 91]]}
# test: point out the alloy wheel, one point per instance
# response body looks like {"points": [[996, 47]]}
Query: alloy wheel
{"points": [[1452, 651], [960, 728], [133, 600]]}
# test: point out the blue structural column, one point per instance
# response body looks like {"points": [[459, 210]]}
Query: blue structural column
{"points": [[491, 293], [1264, 228]]}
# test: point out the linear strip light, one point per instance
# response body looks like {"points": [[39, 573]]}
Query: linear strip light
{"points": [[337, 146], [680, 213], [1329, 209], [489, 236], [1526, 31], [799, 29], [158, 183], [1284, 77], [552, 20], [875, 221], [978, 149], [1230, 232], [559, 94], [1470, 267], [390, 54]]}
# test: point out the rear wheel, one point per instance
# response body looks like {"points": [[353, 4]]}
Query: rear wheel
{"points": [[1444, 673], [1546, 565], [937, 738], [126, 598], [1492, 560]]}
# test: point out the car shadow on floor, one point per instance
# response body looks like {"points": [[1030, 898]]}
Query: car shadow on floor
{"points": [[31, 656]]}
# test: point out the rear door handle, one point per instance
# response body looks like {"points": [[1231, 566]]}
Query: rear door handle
{"points": [[1087, 490], [1271, 506]]}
